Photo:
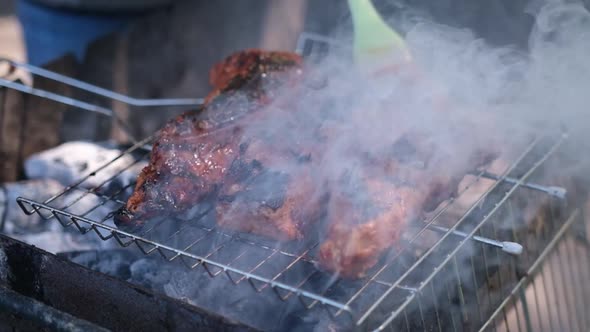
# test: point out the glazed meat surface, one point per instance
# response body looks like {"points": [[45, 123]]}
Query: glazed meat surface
{"points": [[192, 153], [279, 158], [253, 72], [370, 209], [358, 234], [270, 188]]}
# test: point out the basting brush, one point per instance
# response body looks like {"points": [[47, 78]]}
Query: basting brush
{"points": [[380, 50], [376, 44]]}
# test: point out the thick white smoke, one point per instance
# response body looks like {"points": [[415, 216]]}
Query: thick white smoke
{"points": [[539, 89], [500, 96]]}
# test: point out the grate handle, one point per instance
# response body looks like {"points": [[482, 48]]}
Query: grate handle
{"points": [[68, 81], [36, 71], [506, 246]]}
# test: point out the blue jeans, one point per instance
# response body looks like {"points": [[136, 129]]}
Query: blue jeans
{"points": [[50, 33]]}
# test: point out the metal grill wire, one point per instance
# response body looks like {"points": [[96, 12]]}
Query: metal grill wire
{"points": [[470, 282], [11, 79], [553, 296], [399, 277], [405, 288]]}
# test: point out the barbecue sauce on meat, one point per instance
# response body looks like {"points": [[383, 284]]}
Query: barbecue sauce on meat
{"points": [[271, 189], [271, 180], [370, 209], [193, 152]]}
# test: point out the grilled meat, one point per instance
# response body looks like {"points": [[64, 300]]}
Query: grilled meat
{"points": [[270, 188], [369, 210], [192, 153], [359, 233], [269, 169], [254, 72], [186, 164], [365, 221], [276, 204]]}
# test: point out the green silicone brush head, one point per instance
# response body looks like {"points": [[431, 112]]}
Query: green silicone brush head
{"points": [[374, 40]]}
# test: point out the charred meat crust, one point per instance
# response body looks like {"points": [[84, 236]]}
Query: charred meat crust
{"points": [[192, 152], [250, 68], [269, 179], [397, 195]]}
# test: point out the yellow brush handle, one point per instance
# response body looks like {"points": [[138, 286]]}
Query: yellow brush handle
{"points": [[374, 40]]}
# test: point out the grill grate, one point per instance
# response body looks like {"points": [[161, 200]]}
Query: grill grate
{"points": [[264, 265], [557, 275], [432, 281]]}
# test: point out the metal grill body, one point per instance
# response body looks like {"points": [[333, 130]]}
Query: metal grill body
{"points": [[436, 281]]}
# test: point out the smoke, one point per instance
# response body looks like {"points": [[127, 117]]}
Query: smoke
{"points": [[559, 72], [540, 89], [463, 96]]}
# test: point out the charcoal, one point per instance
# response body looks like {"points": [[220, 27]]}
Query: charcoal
{"points": [[113, 262], [267, 188], [49, 234], [3, 267], [11, 215], [148, 273], [72, 161]]}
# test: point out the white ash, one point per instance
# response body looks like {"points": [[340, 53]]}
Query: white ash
{"points": [[125, 181], [50, 172], [15, 220], [50, 235], [72, 161], [56, 238], [148, 272]]}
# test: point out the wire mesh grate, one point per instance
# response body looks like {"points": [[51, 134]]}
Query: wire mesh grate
{"points": [[552, 295], [434, 281], [289, 269]]}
